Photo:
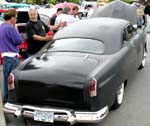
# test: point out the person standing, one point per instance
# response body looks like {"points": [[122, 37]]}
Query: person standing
{"points": [[10, 39], [140, 14], [52, 20], [90, 10], [36, 31], [65, 17], [147, 18], [147, 9], [75, 11]]}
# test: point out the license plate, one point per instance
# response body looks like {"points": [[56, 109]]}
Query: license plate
{"points": [[43, 116]]}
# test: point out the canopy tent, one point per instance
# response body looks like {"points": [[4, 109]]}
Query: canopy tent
{"points": [[117, 9]]}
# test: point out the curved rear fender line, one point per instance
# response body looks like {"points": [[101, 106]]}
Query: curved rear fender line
{"points": [[106, 92], [103, 72], [110, 63]]}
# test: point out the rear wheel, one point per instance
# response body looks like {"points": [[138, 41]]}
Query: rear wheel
{"points": [[119, 96]]}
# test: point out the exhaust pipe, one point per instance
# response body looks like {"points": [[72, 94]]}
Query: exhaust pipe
{"points": [[18, 113]]}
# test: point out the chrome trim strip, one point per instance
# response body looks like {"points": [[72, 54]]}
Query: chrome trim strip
{"points": [[63, 115]]}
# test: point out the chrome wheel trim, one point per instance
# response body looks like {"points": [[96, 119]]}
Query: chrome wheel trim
{"points": [[120, 93]]}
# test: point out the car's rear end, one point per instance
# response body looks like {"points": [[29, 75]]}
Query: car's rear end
{"points": [[55, 93], [52, 103], [62, 81]]}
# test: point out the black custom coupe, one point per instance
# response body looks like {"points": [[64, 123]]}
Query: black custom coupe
{"points": [[80, 75]]}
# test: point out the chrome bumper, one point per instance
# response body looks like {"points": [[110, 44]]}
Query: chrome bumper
{"points": [[62, 115]]}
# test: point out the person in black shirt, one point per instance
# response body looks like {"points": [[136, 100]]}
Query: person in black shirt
{"points": [[36, 32], [147, 9]]}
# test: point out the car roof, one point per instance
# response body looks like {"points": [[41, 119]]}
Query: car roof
{"points": [[106, 30], [93, 28]]}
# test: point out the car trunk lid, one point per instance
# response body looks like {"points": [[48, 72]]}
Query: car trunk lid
{"points": [[56, 80]]}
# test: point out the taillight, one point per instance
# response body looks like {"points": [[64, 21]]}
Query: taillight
{"points": [[11, 85], [93, 87]]}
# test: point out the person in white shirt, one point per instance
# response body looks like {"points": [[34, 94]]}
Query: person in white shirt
{"points": [[65, 17]]}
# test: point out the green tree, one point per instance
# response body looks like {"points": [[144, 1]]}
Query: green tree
{"points": [[127, 1], [52, 1], [30, 1], [17, 1], [74, 1]]}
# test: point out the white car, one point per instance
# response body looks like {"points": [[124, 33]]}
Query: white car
{"points": [[83, 7], [47, 11]]}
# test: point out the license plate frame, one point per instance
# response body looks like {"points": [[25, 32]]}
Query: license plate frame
{"points": [[44, 116]]}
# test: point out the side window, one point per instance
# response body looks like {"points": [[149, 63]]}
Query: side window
{"points": [[130, 31], [124, 34]]}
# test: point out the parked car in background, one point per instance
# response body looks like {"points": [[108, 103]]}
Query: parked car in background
{"points": [[83, 7], [46, 13], [1, 12], [17, 5]]}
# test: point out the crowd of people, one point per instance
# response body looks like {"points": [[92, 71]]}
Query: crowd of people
{"points": [[143, 17]]}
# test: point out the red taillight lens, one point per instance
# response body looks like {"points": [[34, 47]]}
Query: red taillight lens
{"points": [[11, 82], [93, 87]]}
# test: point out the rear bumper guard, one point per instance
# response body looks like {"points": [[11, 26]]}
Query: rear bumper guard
{"points": [[62, 115]]}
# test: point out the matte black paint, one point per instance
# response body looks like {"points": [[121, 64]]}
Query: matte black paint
{"points": [[61, 79]]}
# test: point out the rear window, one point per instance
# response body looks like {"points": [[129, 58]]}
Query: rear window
{"points": [[78, 45]]}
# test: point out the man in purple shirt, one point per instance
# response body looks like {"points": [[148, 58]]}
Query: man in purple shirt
{"points": [[10, 39]]}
